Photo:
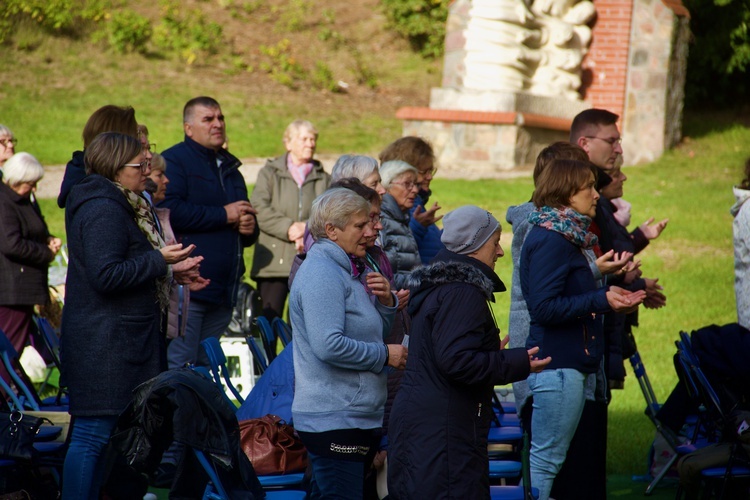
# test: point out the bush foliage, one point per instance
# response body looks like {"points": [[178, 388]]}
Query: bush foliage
{"points": [[422, 22], [719, 56]]}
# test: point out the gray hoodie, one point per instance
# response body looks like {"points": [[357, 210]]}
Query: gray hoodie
{"points": [[741, 231]]}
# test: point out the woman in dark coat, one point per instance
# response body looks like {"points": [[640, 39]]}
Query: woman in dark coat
{"points": [[26, 249], [117, 294], [442, 412]]}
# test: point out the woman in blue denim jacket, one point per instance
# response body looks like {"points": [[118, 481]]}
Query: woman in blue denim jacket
{"points": [[565, 304]]}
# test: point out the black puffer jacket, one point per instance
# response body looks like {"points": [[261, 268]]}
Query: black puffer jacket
{"points": [[185, 406], [441, 415]]}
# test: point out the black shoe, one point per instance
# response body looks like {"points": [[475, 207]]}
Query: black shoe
{"points": [[164, 476]]}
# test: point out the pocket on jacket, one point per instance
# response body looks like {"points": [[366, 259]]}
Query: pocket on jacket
{"points": [[136, 330]]}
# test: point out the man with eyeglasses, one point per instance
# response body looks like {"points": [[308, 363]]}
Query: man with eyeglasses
{"points": [[209, 207], [596, 131], [7, 146]]}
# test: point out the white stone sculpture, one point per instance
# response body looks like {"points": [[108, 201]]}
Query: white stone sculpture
{"points": [[512, 47]]}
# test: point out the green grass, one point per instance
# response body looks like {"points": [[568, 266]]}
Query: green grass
{"points": [[693, 260]]}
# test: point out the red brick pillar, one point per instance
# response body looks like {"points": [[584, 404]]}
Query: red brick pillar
{"points": [[606, 64]]}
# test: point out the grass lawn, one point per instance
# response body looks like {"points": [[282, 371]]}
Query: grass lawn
{"points": [[693, 260]]}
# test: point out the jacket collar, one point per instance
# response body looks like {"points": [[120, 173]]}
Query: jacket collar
{"points": [[331, 250], [280, 165], [229, 162], [392, 210], [449, 267], [12, 195]]}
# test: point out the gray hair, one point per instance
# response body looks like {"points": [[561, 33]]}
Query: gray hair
{"points": [[391, 170], [294, 128], [336, 206], [20, 168], [5, 131], [358, 166]]}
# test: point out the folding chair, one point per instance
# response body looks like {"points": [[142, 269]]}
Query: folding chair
{"points": [[52, 343], [25, 397], [677, 448], [714, 418], [218, 364], [261, 365], [522, 491], [220, 375], [282, 330], [267, 336]]}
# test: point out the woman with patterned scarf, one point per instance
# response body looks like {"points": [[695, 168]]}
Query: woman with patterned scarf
{"points": [[565, 303], [117, 294]]}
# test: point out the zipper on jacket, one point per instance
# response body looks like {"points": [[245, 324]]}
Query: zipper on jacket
{"points": [[585, 340], [479, 410]]}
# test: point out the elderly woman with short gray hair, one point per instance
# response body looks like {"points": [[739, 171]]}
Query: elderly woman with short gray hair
{"points": [[400, 181], [26, 249], [364, 168], [339, 356]]}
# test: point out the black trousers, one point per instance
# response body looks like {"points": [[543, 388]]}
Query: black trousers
{"points": [[273, 293]]}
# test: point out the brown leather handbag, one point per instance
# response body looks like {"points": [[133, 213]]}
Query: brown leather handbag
{"points": [[272, 446]]}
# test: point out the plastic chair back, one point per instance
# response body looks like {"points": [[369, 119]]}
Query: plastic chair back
{"points": [[258, 357], [268, 337], [282, 330], [218, 362]]}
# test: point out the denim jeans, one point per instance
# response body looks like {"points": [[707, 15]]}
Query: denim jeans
{"points": [[83, 472], [559, 396], [204, 320], [335, 479]]}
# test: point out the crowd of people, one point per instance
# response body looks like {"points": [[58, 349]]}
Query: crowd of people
{"points": [[396, 349]]}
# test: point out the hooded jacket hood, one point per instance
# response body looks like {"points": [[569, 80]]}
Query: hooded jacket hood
{"points": [[447, 268], [90, 188], [740, 197]]}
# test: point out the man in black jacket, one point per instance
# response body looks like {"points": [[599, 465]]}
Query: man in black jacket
{"points": [[209, 207]]}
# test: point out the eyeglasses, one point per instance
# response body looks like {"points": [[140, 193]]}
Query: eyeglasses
{"points": [[610, 140], [11, 141], [151, 146], [407, 185], [144, 165], [431, 171], [375, 218]]}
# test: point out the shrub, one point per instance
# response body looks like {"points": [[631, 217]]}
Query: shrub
{"points": [[128, 32], [280, 65], [54, 16], [422, 22], [187, 34], [719, 56]]}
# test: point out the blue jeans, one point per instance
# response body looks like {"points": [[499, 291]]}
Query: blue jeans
{"points": [[83, 472], [204, 320], [559, 396], [335, 479]]}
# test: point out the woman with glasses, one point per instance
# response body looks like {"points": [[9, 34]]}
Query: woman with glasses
{"points": [[400, 182], [7, 146], [418, 153], [117, 297]]}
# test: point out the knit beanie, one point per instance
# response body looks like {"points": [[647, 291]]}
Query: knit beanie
{"points": [[467, 228]]}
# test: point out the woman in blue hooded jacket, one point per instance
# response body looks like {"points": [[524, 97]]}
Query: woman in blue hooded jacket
{"points": [[565, 304]]}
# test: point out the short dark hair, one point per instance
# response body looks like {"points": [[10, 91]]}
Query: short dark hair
{"points": [[561, 180], [109, 152], [356, 185], [586, 120], [110, 118], [560, 150], [413, 150], [205, 101]]}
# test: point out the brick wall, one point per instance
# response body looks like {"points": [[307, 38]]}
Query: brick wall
{"points": [[606, 65]]}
